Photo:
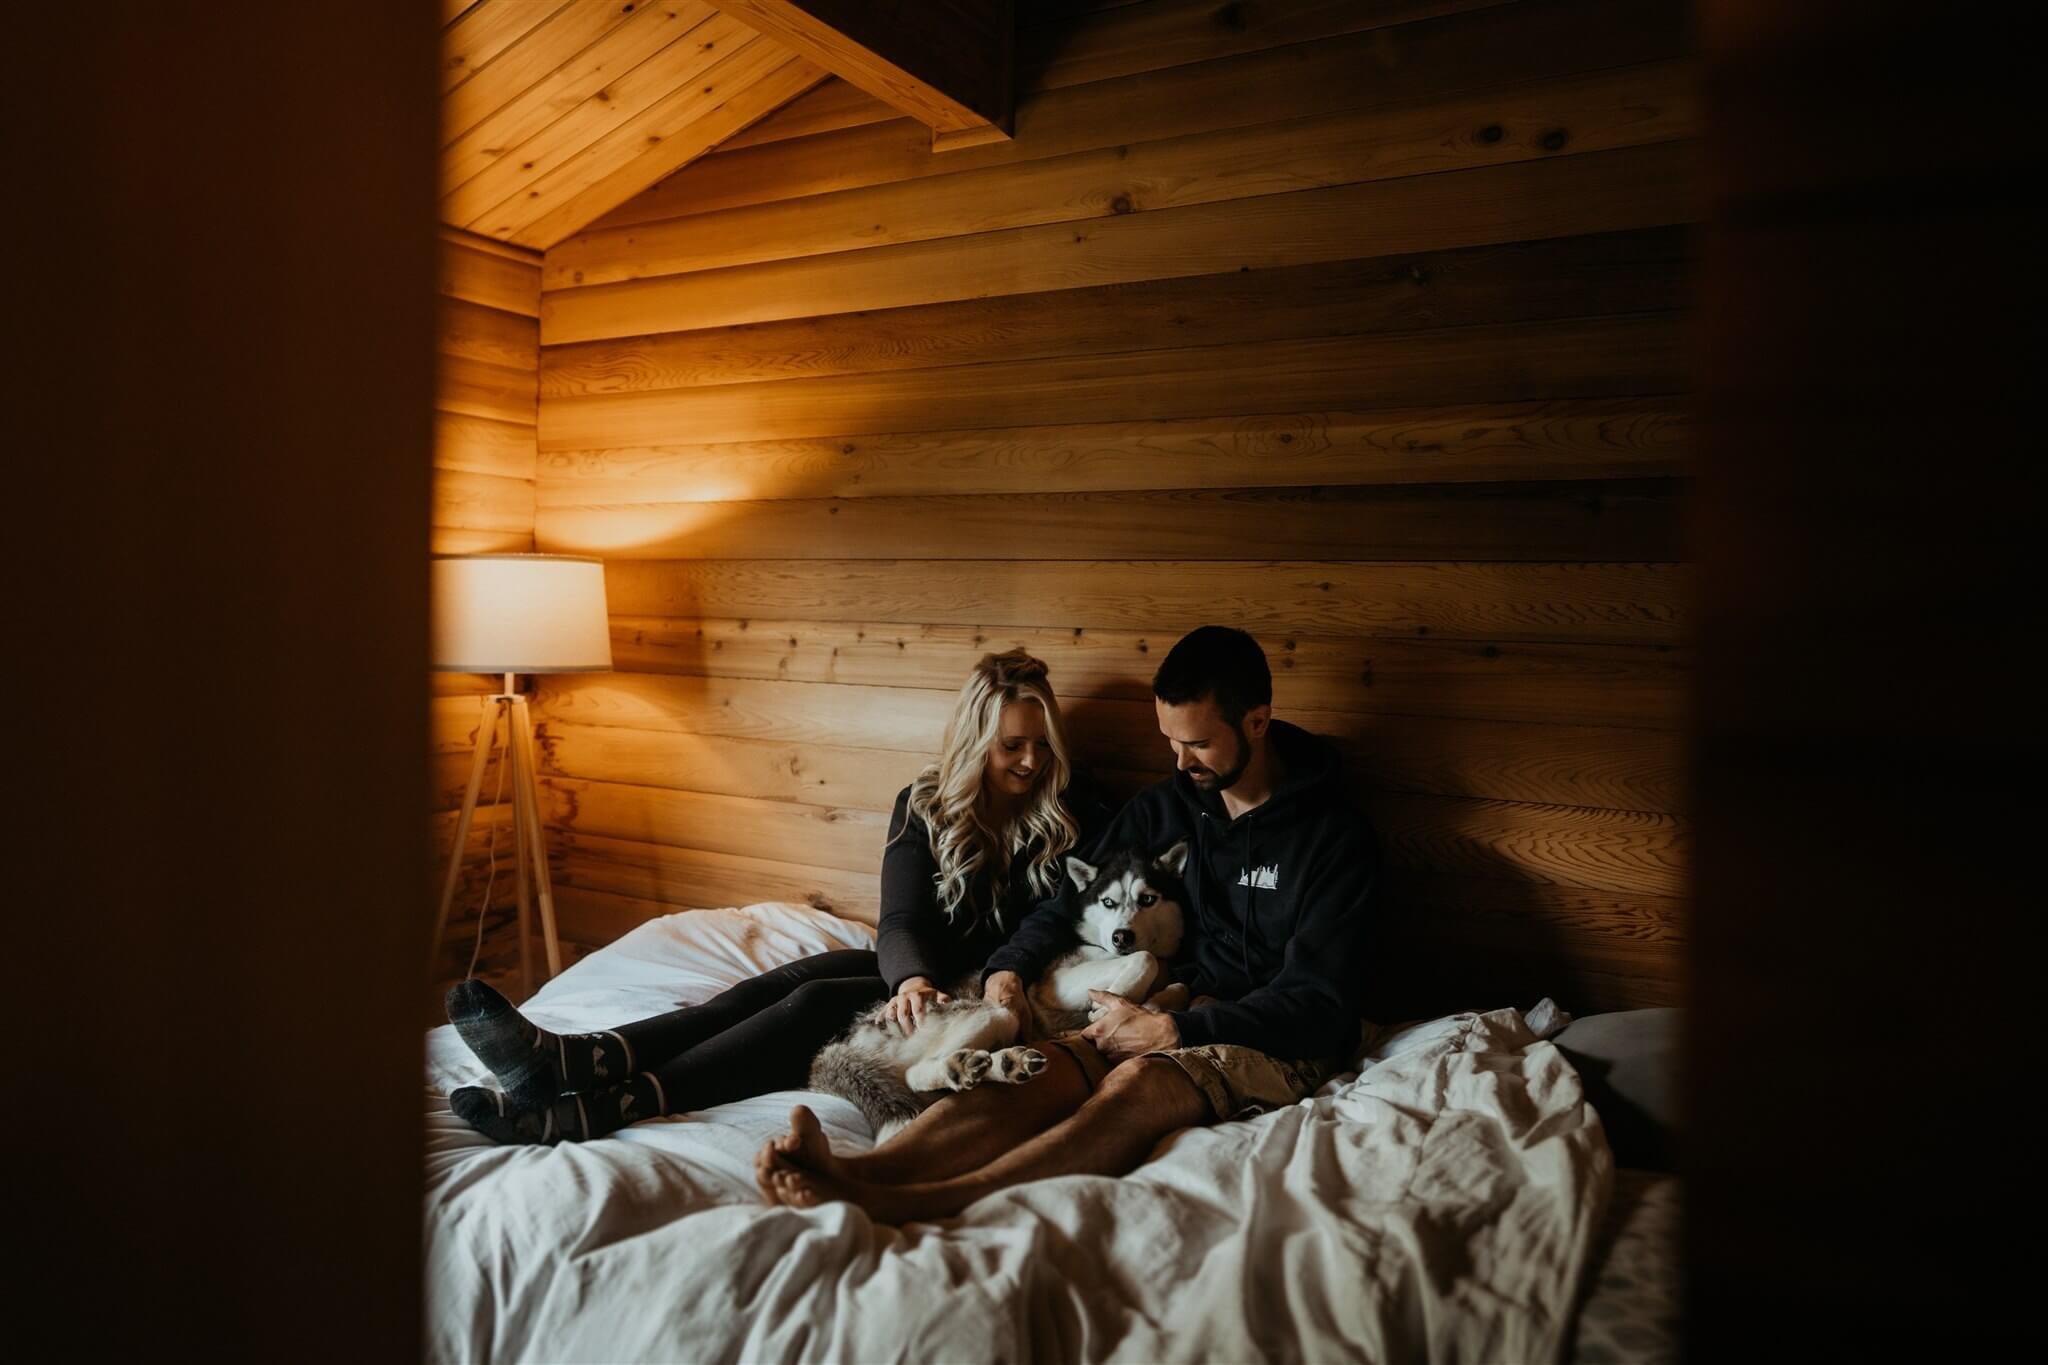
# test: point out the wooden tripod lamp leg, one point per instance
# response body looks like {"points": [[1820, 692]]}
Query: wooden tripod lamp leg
{"points": [[486, 733], [521, 813], [537, 845]]}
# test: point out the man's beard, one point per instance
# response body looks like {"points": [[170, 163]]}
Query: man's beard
{"points": [[1213, 781]]}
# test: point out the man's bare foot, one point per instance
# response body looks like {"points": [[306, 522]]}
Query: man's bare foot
{"points": [[806, 1146], [801, 1189], [767, 1164], [798, 1189], [803, 1148]]}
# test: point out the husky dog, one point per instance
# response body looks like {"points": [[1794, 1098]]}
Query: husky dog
{"points": [[1130, 919]]}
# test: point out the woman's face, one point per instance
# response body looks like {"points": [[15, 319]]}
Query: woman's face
{"points": [[1021, 754]]}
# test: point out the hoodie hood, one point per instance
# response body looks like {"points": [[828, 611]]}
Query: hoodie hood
{"points": [[1308, 767]]}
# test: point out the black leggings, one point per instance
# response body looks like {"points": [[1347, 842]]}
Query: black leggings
{"points": [[757, 1036]]}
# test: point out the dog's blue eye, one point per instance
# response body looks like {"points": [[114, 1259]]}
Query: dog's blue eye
{"points": [[1109, 901]]}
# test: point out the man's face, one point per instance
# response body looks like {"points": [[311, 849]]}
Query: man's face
{"points": [[1208, 748]]}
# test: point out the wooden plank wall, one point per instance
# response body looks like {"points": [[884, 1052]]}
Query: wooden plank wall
{"points": [[487, 357], [1358, 324], [484, 414]]}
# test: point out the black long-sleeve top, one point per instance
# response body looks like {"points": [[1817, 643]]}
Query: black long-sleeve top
{"points": [[916, 938], [1281, 905]]}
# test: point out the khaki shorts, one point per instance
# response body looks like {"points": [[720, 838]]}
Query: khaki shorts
{"points": [[1238, 1082]]}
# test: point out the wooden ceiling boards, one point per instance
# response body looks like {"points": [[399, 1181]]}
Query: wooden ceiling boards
{"points": [[555, 112]]}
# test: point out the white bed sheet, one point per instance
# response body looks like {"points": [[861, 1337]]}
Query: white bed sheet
{"points": [[1439, 1205], [1633, 1301]]}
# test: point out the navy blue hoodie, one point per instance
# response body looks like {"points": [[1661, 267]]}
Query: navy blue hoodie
{"points": [[1281, 905]]}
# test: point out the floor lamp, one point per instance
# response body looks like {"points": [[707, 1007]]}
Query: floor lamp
{"points": [[512, 614]]}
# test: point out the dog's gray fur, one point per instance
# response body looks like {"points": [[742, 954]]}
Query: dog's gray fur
{"points": [[1131, 918]]}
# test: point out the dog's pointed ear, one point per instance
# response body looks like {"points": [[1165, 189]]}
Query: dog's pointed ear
{"points": [[1175, 858], [1080, 873]]}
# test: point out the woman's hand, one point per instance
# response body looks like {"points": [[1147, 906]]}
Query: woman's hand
{"points": [[1006, 989], [906, 1009]]}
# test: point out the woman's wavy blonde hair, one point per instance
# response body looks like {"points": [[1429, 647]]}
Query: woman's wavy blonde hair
{"points": [[947, 795]]}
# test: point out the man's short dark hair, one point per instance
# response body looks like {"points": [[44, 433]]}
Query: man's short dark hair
{"points": [[1219, 662]]}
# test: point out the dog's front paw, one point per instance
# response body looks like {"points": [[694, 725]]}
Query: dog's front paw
{"points": [[967, 1068], [1015, 1065], [1144, 970]]}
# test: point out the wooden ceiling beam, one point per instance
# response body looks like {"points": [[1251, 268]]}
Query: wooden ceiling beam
{"points": [[946, 63]]}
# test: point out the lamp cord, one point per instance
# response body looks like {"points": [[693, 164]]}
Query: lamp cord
{"points": [[497, 797]]}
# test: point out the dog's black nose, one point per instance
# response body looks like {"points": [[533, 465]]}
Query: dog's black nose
{"points": [[1123, 940]]}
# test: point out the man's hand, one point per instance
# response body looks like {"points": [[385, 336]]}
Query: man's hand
{"points": [[1123, 1030], [906, 1009], [1007, 990], [1169, 997]]}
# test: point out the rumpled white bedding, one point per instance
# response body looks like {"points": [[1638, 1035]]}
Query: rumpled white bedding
{"points": [[1438, 1206]]}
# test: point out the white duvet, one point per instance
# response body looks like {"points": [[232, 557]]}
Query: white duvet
{"points": [[1440, 1205]]}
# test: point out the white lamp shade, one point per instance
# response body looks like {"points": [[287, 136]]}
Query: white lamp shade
{"points": [[520, 614]]}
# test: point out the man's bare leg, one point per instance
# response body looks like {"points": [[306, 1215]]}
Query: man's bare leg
{"points": [[1140, 1103], [966, 1131], [960, 1133]]}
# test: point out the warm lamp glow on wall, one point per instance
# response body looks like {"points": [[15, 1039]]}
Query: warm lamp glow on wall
{"points": [[514, 614]]}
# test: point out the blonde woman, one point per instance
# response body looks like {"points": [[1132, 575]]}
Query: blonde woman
{"points": [[975, 842]]}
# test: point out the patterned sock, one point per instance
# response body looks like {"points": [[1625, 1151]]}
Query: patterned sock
{"points": [[571, 1118], [533, 1064]]}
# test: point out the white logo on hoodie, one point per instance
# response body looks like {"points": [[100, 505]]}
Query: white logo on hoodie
{"points": [[1265, 878]]}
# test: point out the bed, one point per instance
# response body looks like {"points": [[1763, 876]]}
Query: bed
{"points": [[1452, 1200]]}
